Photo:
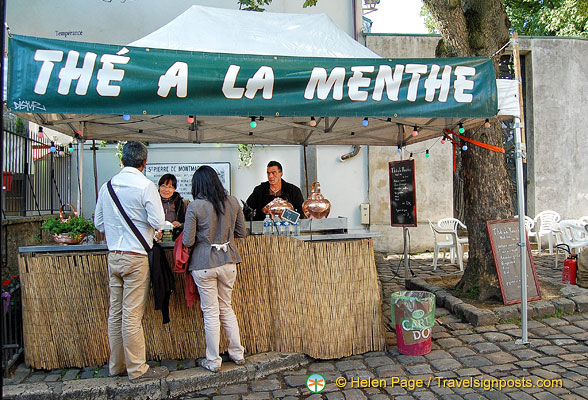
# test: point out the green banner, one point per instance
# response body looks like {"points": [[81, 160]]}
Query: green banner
{"points": [[57, 76]]}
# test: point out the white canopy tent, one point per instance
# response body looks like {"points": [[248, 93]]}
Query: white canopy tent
{"points": [[204, 29]]}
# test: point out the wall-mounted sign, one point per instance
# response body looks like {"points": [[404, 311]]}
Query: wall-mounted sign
{"points": [[184, 172]]}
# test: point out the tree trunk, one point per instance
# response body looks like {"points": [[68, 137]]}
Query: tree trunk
{"points": [[478, 28]]}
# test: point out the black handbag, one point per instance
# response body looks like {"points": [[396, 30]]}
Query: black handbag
{"points": [[162, 279]]}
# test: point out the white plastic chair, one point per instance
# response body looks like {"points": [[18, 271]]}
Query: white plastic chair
{"points": [[452, 244], [574, 234], [543, 227], [584, 219], [452, 224]]}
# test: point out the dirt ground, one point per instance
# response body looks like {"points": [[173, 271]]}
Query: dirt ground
{"points": [[448, 282]]}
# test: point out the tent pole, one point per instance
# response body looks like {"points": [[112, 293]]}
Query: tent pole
{"points": [[81, 168], [517, 70], [522, 234]]}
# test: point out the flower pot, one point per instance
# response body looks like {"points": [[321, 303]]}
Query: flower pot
{"points": [[64, 238]]}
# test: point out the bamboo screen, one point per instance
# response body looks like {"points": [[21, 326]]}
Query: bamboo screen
{"points": [[317, 298]]}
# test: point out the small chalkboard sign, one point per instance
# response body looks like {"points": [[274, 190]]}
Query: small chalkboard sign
{"points": [[504, 240], [290, 216], [403, 210]]}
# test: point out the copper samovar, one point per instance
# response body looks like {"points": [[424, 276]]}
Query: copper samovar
{"points": [[316, 206], [276, 207]]}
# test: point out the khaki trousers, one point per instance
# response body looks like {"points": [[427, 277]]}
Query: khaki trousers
{"points": [[129, 286], [215, 286]]}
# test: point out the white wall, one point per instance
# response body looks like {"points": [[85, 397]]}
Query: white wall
{"points": [[344, 184]]}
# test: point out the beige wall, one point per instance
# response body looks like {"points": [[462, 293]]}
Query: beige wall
{"points": [[556, 122]]}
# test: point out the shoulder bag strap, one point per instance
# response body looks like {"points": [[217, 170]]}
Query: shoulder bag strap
{"points": [[126, 217]]}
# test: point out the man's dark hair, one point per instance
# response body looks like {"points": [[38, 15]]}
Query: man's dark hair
{"points": [[168, 178], [206, 185], [134, 154], [275, 164]]}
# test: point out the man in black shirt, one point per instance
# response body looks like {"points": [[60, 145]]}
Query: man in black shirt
{"points": [[274, 187]]}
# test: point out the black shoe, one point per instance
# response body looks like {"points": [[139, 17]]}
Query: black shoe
{"points": [[152, 373]]}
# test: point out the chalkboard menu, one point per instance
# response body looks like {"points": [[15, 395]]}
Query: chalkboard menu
{"points": [[504, 239], [403, 209]]}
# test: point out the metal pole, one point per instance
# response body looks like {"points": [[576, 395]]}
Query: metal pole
{"points": [[81, 168], [404, 235], [522, 235]]}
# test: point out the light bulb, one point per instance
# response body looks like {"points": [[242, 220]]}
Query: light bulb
{"points": [[410, 157], [190, 119], [443, 141], [70, 148], [126, 117], [427, 154], [253, 124], [487, 123], [365, 122], [312, 121], [399, 149], [461, 130], [53, 149], [40, 134], [415, 131], [464, 147]]}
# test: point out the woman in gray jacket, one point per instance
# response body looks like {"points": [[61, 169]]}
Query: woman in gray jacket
{"points": [[212, 222]]}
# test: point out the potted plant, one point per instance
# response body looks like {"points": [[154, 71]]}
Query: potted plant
{"points": [[68, 230]]}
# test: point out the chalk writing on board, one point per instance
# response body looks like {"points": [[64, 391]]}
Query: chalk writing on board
{"points": [[504, 239], [402, 193], [184, 172]]}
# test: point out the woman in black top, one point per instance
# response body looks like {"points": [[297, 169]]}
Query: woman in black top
{"points": [[173, 204]]}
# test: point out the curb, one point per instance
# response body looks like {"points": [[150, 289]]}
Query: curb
{"points": [[177, 383], [574, 299]]}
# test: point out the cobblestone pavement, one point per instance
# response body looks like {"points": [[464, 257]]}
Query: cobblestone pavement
{"points": [[553, 365]]}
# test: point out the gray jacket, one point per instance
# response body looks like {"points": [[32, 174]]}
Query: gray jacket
{"points": [[211, 232]]}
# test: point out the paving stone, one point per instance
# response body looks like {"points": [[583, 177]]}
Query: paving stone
{"points": [[570, 329], [103, 372], [379, 361], [295, 380], [285, 392], [475, 361], [547, 360], [564, 342], [390, 371], [555, 322], [70, 374], [418, 369], [581, 302], [564, 305], [335, 396], [171, 365], [354, 394], [233, 389], [449, 343], [542, 308], [437, 354], [466, 372], [552, 350], [577, 348], [526, 354], [507, 312], [408, 360], [257, 396], [485, 348], [472, 339], [226, 397], [264, 385], [494, 337], [572, 357], [361, 374], [501, 357], [87, 374], [349, 365], [445, 364], [52, 378], [459, 352]]}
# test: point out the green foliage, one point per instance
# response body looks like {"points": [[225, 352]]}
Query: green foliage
{"points": [[429, 21], [73, 226], [471, 293], [548, 18], [257, 5]]}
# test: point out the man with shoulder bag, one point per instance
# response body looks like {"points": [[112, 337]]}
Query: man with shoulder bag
{"points": [[128, 263]]}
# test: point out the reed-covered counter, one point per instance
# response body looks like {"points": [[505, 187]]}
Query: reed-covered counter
{"points": [[318, 298]]}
